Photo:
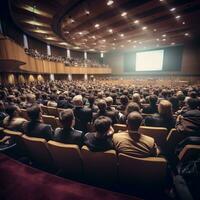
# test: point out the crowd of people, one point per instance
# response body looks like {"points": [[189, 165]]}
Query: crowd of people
{"points": [[100, 104], [75, 62]]}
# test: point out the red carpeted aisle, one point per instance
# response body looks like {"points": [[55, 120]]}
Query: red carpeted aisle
{"points": [[19, 181]]}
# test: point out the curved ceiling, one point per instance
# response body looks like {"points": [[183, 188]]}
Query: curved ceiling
{"points": [[104, 25]]}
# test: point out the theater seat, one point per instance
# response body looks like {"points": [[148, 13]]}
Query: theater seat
{"points": [[38, 151], [44, 110], [119, 127], [67, 158], [99, 167], [52, 111], [158, 133], [16, 138], [142, 172], [189, 152], [47, 119]]}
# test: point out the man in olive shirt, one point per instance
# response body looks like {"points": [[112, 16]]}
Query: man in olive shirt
{"points": [[132, 142]]}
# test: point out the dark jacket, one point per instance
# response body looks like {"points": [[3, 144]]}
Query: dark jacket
{"points": [[113, 115], [98, 144], [158, 121], [38, 129], [70, 136], [83, 116]]}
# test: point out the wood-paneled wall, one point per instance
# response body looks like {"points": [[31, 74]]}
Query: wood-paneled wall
{"points": [[12, 51]]}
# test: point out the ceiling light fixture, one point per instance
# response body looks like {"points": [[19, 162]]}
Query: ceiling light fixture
{"points": [[172, 9], [144, 28], [124, 14], [110, 2], [136, 22], [178, 17], [96, 25]]}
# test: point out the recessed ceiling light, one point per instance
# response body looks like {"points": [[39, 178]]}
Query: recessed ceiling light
{"points": [[129, 41], [178, 17], [144, 28], [80, 33], [157, 39], [93, 37], [140, 42], [164, 35], [163, 39], [110, 2], [183, 23], [110, 31], [154, 29], [123, 14], [113, 44], [136, 22], [67, 32], [122, 35], [173, 43], [87, 12], [96, 25], [122, 46], [135, 41], [186, 34], [172, 9], [114, 39], [103, 40]]}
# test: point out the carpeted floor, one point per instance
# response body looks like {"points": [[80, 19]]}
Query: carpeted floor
{"points": [[21, 182]]}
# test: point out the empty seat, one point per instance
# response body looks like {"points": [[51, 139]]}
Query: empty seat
{"points": [[99, 167], [119, 127], [67, 157], [142, 172], [158, 133], [47, 119], [38, 151]]}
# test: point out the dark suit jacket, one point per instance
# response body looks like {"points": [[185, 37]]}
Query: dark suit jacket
{"points": [[113, 115], [38, 129], [64, 104], [158, 121], [97, 144], [150, 109], [70, 136], [83, 116]]}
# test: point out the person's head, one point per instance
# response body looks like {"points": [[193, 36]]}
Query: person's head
{"points": [[153, 99], [193, 103], [124, 100], [102, 125], [180, 96], [132, 106], [61, 97], [34, 113], [109, 101], [12, 111], [91, 99], [134, 121], [102, 105], [165, 108], [136, 98], [67, 119], [30, 98], [78, 101], [175, 103]]}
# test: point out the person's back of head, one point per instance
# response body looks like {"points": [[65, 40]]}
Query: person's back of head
{"points": [[30, 98], [102, 105], [165, 109], [136, 98], [124, 100], [109, 101], [153, 100], [132, 106], [175, 103], [12, 111], [77, 101], [193, 103], [102, 125], [34, 113], [66, 118], [91, 99], [134, 121]]}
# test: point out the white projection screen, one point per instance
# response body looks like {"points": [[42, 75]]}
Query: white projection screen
{"points": [[149, 60]]}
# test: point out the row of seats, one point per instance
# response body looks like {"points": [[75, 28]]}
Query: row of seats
{"points": [[105, 168], [96, 167]]}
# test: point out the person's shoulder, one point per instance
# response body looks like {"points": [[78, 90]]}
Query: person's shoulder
{"points": [[77, 133], [147, 138], [58, 131], [120, 135]]}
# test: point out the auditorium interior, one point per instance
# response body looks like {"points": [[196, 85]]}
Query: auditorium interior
{"points": [[99, 99]]}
